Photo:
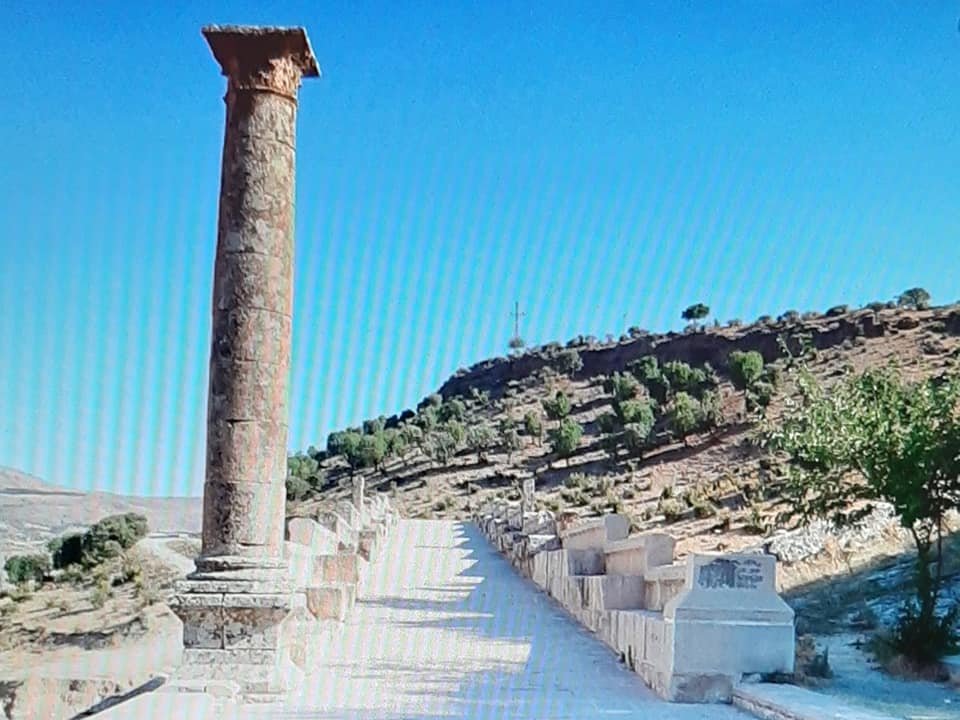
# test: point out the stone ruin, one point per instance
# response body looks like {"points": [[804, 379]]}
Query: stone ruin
{"points": [[692, 630], [264, 588]]}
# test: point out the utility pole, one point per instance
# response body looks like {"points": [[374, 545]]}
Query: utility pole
{"points": [[516, 318]]}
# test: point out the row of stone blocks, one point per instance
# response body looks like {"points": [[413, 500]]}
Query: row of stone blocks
{"points": [[255, 638], [691, 630]]}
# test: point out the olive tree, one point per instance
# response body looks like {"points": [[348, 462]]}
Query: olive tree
{"points": [[877, 437], [565, 439]]}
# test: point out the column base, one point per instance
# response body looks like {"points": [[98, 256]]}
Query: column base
{"points": [[241, 619]]}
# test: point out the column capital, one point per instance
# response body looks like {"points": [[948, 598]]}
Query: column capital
{"points": [[269, 59]]}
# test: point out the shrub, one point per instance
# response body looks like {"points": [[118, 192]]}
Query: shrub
{"points": [[109, 537], [24, 568], [684, 415], [838, 310], [672, 510], [533, 426], [745, 368], [297, 489], [621, 386], [635, 412], [565, 439], [480, 439], [558, 407], [636, 437], [568, 362], [608, 423], [66, 550]]}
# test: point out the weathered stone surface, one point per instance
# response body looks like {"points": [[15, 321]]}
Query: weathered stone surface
{"points": [[240, 605], [331, 601]]}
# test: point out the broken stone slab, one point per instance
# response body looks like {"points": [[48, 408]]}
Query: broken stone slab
{"points": [[368, 545], [311, 534], [638, 554], [595, 534], [331, 601], [661, 584], [347, 535]]}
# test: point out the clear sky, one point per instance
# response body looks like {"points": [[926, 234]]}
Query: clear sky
{"points": [[604, 163]]}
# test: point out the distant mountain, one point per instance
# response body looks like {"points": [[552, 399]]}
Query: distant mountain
{"points": [[33, 511]]}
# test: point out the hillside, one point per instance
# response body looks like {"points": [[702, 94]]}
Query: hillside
{"points": [[33, 511], [706, 489]]}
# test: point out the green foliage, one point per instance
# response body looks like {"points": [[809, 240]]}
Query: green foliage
{"points": [[511, 440], [684, 415], [746, 368], [533, 426], [516, 344], [681, 377], [480, 439], [453, 409], [608, 423], [428, 418], [621, 387], [695, 312], [877, 437], [411, 434], [636, 437], [567, 362], [66, 550], [565, 439], [456, 430], [647, 370], [635, 412], [375, 426], [24, 568], [108, 537], [297, 488], [915, 298], [441, 446], [558, 407]]}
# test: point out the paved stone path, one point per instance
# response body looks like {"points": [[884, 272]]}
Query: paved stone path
{"points": [[448, 629]]}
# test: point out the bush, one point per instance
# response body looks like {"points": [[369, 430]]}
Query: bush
{"points": [[684, 415], [533, 426], [621, 386], [66, 550], [109, 537], [558, 407], [565, 439], [745, 368], [635, 412], [838, 310], [297, 488], [24, 568], [568, 362]]}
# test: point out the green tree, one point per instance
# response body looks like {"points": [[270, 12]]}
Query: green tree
{"points": [[877, 437], [441, 447], [682, 377], [636, 438], [609, 423], [372, 427], [558, 407], [684, 415], [456, 430], [695, 313], [297, 488], [428, 418], [916, 298], [533, 426], [635, 411], [453, 409], [412, 436], [351, 446], [373, 450], [746, 368], [568, 362], [480, 439], [511, 440], [24, 568], [565, 438], [647, 370], [621, 386]]}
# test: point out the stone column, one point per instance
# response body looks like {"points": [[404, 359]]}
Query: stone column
{"points": [[237, 603], [358, 488]]}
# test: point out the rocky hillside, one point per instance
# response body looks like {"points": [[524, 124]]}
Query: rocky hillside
{"points": [[711, 488]]}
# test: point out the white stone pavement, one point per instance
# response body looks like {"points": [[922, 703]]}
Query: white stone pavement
{"points": [[448, 629]]}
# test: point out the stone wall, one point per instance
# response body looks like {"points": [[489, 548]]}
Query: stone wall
{"points": [[691, 630]]}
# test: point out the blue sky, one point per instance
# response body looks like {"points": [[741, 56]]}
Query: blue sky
{"points": [[606, 164]]}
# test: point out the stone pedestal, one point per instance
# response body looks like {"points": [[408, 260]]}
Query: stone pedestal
{"points": [[240, 610]]}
